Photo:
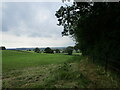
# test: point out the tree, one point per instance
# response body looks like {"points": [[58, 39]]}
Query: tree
{"points": [[76, 47], [2, 48], [69, 50], [29, 50], [95, 27], [57, 51], [37, 50], [48, 50]]}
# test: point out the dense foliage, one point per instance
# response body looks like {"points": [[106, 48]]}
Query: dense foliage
{"points": [[2, 48], [96, 29], [37, 50], [69, 50], [57, 50], [76, 48], [48, 50]]}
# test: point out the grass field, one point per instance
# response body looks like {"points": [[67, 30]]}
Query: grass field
{"points": [[38, 70], [18, 67], [14, 60]]}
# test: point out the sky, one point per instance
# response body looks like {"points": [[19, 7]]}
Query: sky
{"points": [[32, 24]]}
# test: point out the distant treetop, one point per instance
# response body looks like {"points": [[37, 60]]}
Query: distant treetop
{"points": [[2, 48]]}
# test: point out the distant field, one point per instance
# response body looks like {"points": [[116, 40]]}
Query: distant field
{"points": [[13, 60]]}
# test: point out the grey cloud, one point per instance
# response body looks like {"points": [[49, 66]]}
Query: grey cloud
{"points": [[28, 13], [32, 23]]}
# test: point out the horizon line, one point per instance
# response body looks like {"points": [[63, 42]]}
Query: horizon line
{"points": [[34, 47]]}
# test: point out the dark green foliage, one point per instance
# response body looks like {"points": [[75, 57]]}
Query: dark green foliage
{"points": [[37, 50], [69, 50], [76, 47], [48, 50], [96, 29], [29, 50], [57, 51], [2, 48]]}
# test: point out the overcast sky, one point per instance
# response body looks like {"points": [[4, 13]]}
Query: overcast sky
{"points": [[26, 24]]}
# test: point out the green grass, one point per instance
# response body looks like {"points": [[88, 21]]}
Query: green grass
{"points": [[40, 70], [30, 70], [14, 60]]}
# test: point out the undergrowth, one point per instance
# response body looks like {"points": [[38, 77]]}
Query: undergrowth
{"points": [[65, 76]]}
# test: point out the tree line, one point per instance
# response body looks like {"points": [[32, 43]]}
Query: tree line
{"points": [[96, 28], [68, 50]]}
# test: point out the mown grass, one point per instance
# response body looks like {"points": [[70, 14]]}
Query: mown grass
{"points": [[25, 69], [35, 70], [14, 60]]}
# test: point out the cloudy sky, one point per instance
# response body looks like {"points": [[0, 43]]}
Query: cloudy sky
{"points": [[28, 24]]}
